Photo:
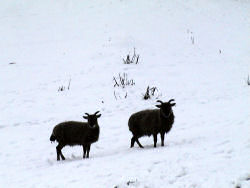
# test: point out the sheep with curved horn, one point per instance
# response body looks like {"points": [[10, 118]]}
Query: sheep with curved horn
{"points": [[160, 101], [76, 133], [152, 122], [97, 112], [171, 100]]}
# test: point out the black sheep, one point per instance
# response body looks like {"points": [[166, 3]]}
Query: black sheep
{"points": [[76, 133], [152, 122]]}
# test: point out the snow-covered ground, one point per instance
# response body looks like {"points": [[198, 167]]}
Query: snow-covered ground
{"points": [[197, 52]]}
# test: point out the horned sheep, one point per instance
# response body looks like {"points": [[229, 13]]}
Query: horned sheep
{"points": [[152, 122], [76, 133]]}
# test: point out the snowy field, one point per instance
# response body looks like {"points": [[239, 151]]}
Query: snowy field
{"points": [[197, 52]]}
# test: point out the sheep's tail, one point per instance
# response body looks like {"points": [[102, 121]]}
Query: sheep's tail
{"points": [[52, 138]]}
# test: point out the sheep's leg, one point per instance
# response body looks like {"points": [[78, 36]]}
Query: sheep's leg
{"points": [[84, 150], [88, 149], [132, 142], [155, 140], [63, 158], [137, 141], [59, 152], [162, 139]]}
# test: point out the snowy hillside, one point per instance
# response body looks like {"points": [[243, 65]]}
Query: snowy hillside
{"points": [[197, 52]]}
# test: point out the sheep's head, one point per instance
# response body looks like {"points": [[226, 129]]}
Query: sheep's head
{"points": [[92, 119], [166, 107]]}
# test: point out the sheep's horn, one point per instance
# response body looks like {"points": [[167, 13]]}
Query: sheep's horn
{"points": [[171, 100], [87, 114], [160, 101], [96, 112]]}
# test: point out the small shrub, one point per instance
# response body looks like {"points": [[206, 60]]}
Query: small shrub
{"points": [[123, 81], [151, 92], [133, 60], [120, 83], [63, 88]]}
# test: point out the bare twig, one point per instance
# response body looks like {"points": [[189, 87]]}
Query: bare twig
{"points": [[115, 96], [116, 83], [192, 39], [69, 83], [61, 88]]}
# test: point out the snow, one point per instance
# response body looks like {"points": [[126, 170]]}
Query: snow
{"points": [[196, 52]]}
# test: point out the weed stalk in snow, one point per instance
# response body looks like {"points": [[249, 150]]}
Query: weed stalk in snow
{"points": [[134, 59]]}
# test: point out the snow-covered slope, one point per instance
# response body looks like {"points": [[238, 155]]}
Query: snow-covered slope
{"points": [[197, 52]]}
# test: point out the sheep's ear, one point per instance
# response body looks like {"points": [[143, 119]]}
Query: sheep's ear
{"points": [[85, 117], [159, 106], [173, 104], [99, 115]]}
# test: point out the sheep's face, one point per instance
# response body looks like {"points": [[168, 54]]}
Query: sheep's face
{"points": [[166, 107], [92, 119]]}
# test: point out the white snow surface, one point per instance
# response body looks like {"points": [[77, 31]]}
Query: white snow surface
{"points": [[197, 52]]}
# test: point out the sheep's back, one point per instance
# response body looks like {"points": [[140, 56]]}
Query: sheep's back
{"points": [[145, 122], [70, 132]]}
